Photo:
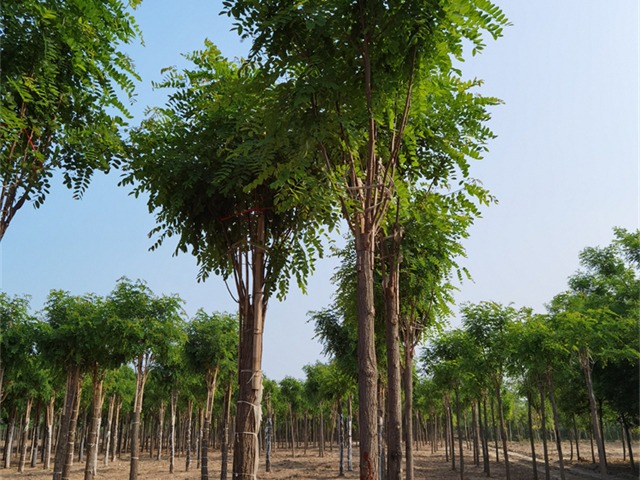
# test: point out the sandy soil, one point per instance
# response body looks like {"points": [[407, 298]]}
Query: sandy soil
{"points": [[427, 466]]}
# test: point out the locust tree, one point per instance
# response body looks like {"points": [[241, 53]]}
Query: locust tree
{"points": [[239, 190], [356, 67], [63, 78], [211, 351], [153, 325]]}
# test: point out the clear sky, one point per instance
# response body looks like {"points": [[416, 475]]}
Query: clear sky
{"points": [[564, 168]]}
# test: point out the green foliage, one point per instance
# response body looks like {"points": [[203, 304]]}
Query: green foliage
{"points": [[213, 343], [216, 159], [62, 77]]}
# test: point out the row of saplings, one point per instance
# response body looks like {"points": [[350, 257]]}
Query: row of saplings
{"points": [[173, 429]]}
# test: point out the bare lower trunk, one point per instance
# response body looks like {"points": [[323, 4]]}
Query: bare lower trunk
{"points": [[252, 314], [90, 465], [556, 424], [107, 434], [188, 434], [25, 435], [485, 440], [367, 362], [458, 421], [408, 411], [531, 439], [503, 433], [116, 423], [349, 435], [585, 362], [48, 436], [390, 280], [625, 425], [172, 430], [160, 433], [543, 420], [141, 377], [71, 438]]}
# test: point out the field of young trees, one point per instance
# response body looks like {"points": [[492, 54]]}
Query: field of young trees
{"points": [[345, 113]]}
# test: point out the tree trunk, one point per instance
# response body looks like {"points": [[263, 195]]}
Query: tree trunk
{"points": [[349, 435], [321, 434], [48, 436], [408, 411], [8, 445], [390, 279], [485, 440], [628, 437], [188, 434], [543, 420], [252, 315], [575, 431], [116, 437], [367, 362], [458, 419], [340, 439], [503, 433], [585, 363], [556, 423], [90, 465], [107, 433], [141, 377], [533, 445], [25, 435], [172, 431]]}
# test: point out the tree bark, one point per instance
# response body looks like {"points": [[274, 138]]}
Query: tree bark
{"points": [[503, 433], [458, 419], [90, 465], [48, 437], [531, 439], [252, 316], [556, 423], [141, 377], [408, 411], [187, 466], [25, 435], [585, 363], [367, 361], [543, 420], [172, 431], [107, 433], [390, 286], [212, 380]]}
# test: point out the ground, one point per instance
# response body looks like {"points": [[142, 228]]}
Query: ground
{"points": [[427, 466]]}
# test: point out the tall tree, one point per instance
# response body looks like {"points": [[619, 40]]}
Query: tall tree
{"points": [[356, 67], [62, 74], [238, 188]]}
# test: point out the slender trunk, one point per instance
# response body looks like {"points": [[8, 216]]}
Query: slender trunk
{"points": [[292, 430], [458, 419], [533, 445], [556, 423], [188, 434], [349, 435], [71, 438], [160, 431], [25, 435], [90, 465], [367, 362], [141, 378], [340, 439], [48, 437], [8, 445], [268, 435], [475, 430], [107, 433], [628, 437], [503, 433], [321, 434], [116, 423], [585, 362], [390, 280], [543, 421], [225, 432], [485, 443], [495, 431], [172, 431], [575, 434], [408, 411], [35, 436]]}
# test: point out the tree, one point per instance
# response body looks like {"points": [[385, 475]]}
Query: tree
{"points": [[356, 68], [236, 186], [487, 323], [211, 351], [598, 315], [153, 325], [61, 78]]}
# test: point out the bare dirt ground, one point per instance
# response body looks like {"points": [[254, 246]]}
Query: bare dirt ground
{"points": [[311, 466]]}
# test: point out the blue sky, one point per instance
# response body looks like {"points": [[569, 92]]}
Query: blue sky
{"points": [[564, 168]]}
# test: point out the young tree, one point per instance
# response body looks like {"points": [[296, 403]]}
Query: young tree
{"points": [[211, 351], [356, 67], [62, 72], [153, 325], [236, 186]]}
